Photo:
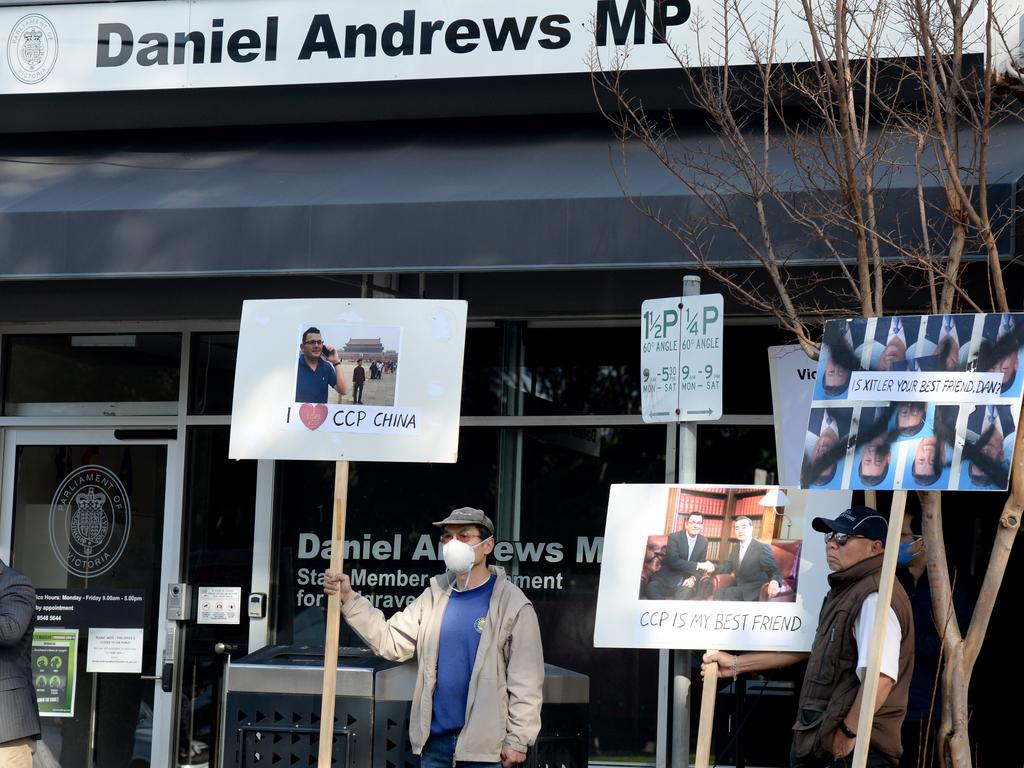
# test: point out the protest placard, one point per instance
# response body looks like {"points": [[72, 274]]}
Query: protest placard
{"points": [[701, 566], [349, 379], [925, 402]]}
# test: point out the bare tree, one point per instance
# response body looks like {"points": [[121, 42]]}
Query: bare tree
{"points": [[876, 107]]}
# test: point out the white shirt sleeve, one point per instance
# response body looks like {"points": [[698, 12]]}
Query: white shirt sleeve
{"points": [[862, 636]]}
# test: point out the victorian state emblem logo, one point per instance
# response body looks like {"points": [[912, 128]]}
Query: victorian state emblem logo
{"points": [[32, 48], [90, 519]]}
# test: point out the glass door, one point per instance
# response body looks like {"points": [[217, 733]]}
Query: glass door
{"points": [[88, 515]]}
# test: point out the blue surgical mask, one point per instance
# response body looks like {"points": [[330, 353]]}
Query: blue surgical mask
{"points": [[905, 555]]}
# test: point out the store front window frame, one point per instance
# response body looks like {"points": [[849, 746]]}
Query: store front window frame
{"points": [[510, 422]]}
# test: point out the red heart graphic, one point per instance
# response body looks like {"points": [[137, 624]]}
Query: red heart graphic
{"points": [[313, 415]]}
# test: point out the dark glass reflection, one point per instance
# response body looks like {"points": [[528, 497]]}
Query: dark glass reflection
{"points": [[581, 371], [105, 369], [212, 373], [219, 509], [566, 475], [388, 529], [730, 454]]}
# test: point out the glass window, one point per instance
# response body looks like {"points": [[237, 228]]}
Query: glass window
{"points": [[88, 521], [566, 474], [596, 370], [220, 504], [212, 373], [481, 374], [92, 374], [392, 548], [581, 371], [746, 383], [730, 454]]}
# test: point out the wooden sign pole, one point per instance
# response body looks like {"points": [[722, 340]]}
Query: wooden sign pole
{"points": [[333, 617], [867, 705], [707, 715]]}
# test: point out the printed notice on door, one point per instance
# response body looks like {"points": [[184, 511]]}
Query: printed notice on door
{"points": [[114, 650]]}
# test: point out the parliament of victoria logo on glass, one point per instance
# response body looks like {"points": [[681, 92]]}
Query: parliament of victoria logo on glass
{"points": [[90, 519], [32, 48]]}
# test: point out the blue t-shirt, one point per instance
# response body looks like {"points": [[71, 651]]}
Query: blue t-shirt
{"points": [[463, 623], [311, 386]]}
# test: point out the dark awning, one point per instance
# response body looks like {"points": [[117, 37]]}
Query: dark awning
{"points": [[535, 199]]}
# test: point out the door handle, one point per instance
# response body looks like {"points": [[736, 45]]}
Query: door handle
{"points": [[166, 677]]}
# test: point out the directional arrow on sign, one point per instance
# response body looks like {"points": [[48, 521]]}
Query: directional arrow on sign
{"points": [[706, 412]]}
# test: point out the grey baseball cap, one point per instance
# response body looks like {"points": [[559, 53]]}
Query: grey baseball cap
{"points": [[467, 516]]}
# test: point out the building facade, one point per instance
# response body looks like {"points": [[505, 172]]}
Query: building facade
{"points": [[139, 209]]}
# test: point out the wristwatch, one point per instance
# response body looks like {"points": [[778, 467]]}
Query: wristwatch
{"points": [[846, 730]]}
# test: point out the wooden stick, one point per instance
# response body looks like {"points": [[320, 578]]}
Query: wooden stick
{"points": [[871, 498], [707, 716], [333, 617], [867, 704]]}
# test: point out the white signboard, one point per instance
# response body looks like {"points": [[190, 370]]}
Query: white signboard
{"points": [[114, 650], [226, 43], [398, 361], [792, 375], [681, 358], [219, 605], [655, 592], [920, 402]]}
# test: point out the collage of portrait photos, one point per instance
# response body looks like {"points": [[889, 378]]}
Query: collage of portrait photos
{"points": [[927, 402]]}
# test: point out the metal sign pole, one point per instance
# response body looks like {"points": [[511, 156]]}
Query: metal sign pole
{"points": [[686, 472]]}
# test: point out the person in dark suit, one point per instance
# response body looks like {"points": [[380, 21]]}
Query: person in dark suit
{"points": [[19, 713], [752, 562], [685, 558]]}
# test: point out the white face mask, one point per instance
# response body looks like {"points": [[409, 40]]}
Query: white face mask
{"points": [[459, 556]]}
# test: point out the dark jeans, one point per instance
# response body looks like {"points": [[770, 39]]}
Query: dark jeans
{"points": [[357, 395], [875, 760], [439, 752]]}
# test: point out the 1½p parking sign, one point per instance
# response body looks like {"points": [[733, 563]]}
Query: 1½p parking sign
{"points": [[681, 358]]}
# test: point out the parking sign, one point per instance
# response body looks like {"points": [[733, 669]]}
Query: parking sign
{"points": [[681, 358]]}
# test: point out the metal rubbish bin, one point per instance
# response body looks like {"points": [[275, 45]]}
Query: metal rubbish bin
{"points": [[272, 712]]}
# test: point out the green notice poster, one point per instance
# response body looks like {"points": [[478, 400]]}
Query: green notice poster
{"points": [[53, 663]]}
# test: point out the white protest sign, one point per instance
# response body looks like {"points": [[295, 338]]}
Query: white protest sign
{"points": [[399, 362], [792, 375], [681, 358], [923, 402], [646, 598]]}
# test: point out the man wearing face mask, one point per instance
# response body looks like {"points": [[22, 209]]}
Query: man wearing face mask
{"points": [[478, 650], [924, 703]]}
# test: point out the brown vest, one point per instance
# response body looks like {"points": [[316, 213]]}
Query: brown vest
{"points": [[831, 682]]}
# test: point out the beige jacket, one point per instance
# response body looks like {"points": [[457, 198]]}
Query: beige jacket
{"points": [[505, 687]]}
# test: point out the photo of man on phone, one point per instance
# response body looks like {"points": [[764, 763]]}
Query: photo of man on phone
{"points": [[318, 369]]}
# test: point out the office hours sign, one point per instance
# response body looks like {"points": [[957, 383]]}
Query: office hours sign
{"points": [[681, 358]]}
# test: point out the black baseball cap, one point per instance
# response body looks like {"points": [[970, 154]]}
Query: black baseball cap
{"points": [[859, 521], [467, 516]]}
